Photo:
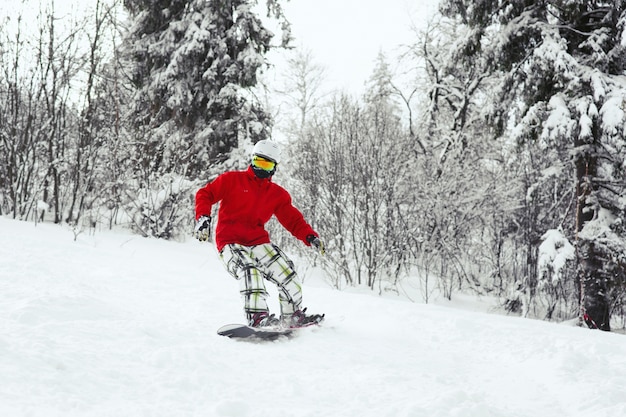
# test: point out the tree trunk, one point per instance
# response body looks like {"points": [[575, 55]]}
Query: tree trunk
{"points": [[594, 302], [595, 306]]}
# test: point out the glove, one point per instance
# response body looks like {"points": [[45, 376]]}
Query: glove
{"points": [[202, 231], [316, 243]]}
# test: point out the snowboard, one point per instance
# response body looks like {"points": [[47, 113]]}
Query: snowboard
{"points": [[242, 331]]}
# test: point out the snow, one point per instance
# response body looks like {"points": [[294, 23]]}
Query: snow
{"points": [[600, 225], [613, 116], [559, 122], [554, 252], [112, 324]]}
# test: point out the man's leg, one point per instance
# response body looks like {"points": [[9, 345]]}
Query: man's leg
{"points": [[279, 269], [242, 264]]}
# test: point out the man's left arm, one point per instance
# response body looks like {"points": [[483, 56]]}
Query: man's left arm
{"points": [[292, 219]]}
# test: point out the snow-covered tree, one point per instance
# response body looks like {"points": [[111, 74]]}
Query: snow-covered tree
{"points": [[90, 167], [40, 63], [301, 89], [195, 61], [357, 185], [558, 69], [457, 176]]}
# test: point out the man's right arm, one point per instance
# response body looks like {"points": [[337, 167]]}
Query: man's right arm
{"points": [[207, 196]]}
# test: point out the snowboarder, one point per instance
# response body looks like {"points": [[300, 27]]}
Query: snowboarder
{"points": [[248, 199]]}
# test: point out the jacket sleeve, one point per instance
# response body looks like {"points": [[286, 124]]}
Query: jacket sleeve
{"points": [[207, 196], [292, 219]]}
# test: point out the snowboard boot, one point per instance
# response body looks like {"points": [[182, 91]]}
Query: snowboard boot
{"points": [[301, 319], [263, 319]]}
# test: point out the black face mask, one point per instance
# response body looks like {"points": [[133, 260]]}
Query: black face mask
{"points": [[261, 173]]}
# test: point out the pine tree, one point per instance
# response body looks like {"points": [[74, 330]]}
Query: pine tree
{"points": [[195, 61], [558, 69]]}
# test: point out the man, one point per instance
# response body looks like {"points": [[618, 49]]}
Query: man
{"points": [[248, 199]]}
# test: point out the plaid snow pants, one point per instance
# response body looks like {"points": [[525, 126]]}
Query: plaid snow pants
{"points": [[251, 265]]}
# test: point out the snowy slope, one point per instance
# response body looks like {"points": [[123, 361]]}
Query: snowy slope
{"points": [[118, 325]]}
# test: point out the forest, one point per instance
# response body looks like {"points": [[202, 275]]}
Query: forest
{"points": [[497, 167]]}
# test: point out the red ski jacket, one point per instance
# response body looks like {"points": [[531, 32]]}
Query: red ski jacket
{"points": [[246, 204]]}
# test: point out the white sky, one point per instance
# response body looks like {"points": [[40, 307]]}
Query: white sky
{"points": [[346, 36]]}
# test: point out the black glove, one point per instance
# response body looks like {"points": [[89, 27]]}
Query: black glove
{"points": [[316, 243], [202, 231]]}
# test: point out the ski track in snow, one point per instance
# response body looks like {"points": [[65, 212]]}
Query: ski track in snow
{"points": [[113, 324]]}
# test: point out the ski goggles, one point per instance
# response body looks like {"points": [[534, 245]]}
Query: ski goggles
{"points": [[262, 163]]}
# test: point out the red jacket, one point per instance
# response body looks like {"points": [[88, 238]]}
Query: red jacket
{"points": [[246, 204]]}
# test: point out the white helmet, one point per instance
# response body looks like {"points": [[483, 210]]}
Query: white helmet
{"points": [[267, 149]]}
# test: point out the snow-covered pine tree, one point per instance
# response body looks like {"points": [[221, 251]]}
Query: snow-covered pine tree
{"points": [[195, 61], [193, 66], [559, 68]]}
